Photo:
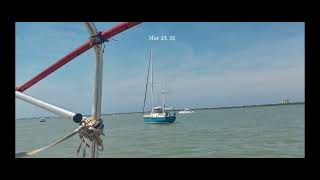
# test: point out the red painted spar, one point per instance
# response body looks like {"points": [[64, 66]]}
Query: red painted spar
{"points": [[73, 54]]}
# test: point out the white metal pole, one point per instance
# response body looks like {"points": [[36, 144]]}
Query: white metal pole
{"points": [[163, 101], [151, 80], [98, 72], [163, 91], [76, 117]]}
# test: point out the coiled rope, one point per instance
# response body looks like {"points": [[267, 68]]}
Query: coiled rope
{"points": [[89, 133]]}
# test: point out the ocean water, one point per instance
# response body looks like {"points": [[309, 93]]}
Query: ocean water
{"points": [[250, 132]]}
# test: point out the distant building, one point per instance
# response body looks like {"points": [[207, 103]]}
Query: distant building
{"points": [[285, 101]]}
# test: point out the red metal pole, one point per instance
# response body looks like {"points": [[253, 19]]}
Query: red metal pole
{"points": [[117, 29], [83, 48]]}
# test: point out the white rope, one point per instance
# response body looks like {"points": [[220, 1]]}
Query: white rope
{"points": [[86, 133], [91, 134]]}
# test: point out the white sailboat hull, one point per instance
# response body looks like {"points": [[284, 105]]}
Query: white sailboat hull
{"points": [[185, 112]]}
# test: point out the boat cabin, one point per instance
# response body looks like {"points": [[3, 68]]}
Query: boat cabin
{"points": [[158, 109]]}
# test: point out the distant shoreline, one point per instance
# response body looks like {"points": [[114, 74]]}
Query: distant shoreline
{"points": [[208, 108], [226, 107], [257, 105]]}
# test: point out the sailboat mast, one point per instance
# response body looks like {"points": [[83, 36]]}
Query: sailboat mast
{"points": [[147, 83], [151, 80], [163, 91]]}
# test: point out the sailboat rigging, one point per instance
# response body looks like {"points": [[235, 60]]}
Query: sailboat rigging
{"points": [[157, 114]]}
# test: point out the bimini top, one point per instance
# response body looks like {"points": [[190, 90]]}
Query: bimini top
{"points": [[158, 107]]}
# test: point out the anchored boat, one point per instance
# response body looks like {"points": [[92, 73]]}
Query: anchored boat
{"points": [[158, 114], [186, 111], [42, 120]]}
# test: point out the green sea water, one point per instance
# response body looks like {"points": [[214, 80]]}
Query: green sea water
{"points": [[248, 132]]}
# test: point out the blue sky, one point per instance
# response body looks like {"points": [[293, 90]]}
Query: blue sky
{"points": [[209, 64]]}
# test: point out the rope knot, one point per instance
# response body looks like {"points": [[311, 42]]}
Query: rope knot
{"points": [[97, 39], [90, 130]]}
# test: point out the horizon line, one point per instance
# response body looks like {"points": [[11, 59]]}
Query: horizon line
{"points": [[202, 108]]}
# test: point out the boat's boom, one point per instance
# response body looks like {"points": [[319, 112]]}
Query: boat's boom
{"points": [[76, 117]]}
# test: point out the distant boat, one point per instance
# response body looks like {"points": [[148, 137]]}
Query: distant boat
{"points": [[158, 114], [169, 108], [186, 111], [42, 120]]}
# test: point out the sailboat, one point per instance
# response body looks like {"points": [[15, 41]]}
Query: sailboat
{"points": [[186, 111], [158, 114], [42, 120]]}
